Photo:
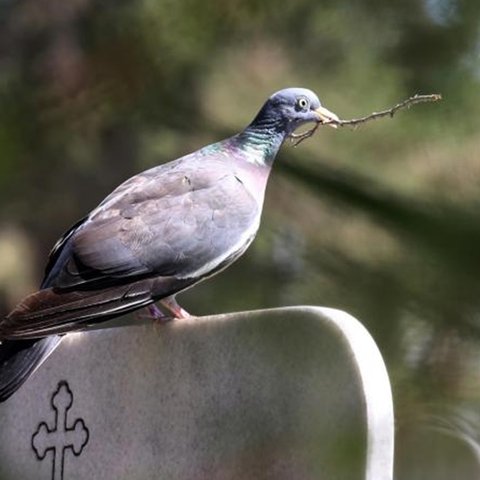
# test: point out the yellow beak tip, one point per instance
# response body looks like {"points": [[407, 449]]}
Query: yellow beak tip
{"points": [[327, 117]]}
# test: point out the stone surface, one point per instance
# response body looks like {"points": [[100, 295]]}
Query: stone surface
{"points": [[296, 393]]}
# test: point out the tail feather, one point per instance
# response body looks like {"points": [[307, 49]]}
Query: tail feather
{"points": [[19, 359], [45, 314], [52, 311]]}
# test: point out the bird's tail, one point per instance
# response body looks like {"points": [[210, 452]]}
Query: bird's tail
{"points": [[52, 311], [19, 359], [29, 334]]}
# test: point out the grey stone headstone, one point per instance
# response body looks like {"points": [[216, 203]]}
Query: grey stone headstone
{"points": [[294, 393]]}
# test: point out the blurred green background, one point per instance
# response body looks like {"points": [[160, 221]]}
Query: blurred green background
{"points": [[381, 221]]}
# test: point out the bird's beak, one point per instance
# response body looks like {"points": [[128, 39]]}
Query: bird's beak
{"points": [[326, 116]]}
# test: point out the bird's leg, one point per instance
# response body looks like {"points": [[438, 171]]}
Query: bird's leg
{"points": [[152, 312], [157, 314], [174, 308]]}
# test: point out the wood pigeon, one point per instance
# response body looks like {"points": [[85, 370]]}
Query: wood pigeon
{"points": [[157, 234]]}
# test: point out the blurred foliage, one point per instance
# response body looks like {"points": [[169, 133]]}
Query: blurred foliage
{"points": [[380, 221]]}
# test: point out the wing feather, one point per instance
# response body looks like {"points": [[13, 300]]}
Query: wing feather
{"points": [[164, 222]]}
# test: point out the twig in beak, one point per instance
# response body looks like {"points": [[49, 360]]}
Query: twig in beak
{"points": [[297, 138]]}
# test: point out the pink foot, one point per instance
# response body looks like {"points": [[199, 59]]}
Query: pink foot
{"points": [[174, 308]]}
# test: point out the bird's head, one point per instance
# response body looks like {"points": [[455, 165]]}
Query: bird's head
{"points": [[290, 108]]}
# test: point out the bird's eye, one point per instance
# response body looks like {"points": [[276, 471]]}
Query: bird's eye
{"points": [[302, 103]]}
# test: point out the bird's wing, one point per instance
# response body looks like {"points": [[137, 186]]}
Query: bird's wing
{"points": [[54, 262], [181, 220], [157, 234]]}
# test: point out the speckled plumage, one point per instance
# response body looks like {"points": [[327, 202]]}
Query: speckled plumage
{"points": [[158, 233]]}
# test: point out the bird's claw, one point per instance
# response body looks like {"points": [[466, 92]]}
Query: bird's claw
{"points": [[152, 312], [174, 308]]}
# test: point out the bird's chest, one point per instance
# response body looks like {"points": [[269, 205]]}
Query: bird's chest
{"points": [[253, 179]]}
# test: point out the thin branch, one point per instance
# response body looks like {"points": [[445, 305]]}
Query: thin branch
{"points": [[300, 137]]}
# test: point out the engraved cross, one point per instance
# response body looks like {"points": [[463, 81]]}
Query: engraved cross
{"points": [[63, 435]]}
